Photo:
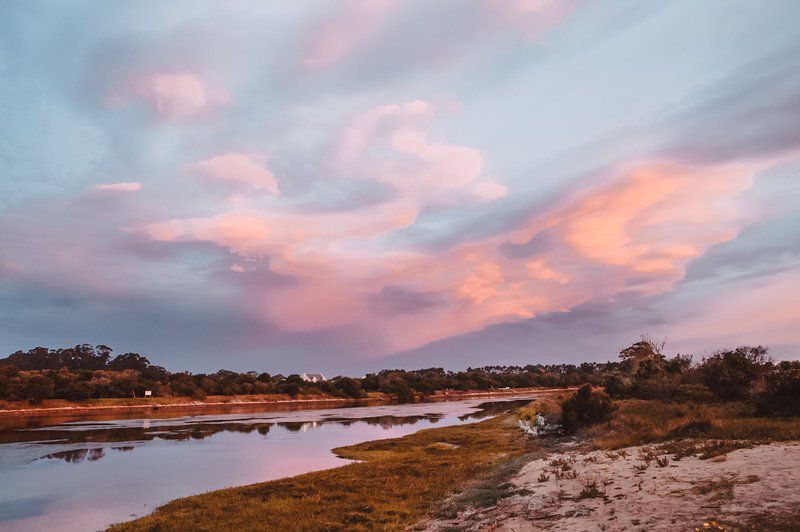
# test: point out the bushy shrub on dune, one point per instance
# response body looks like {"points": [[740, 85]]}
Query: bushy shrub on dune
{"points": [[779, 392], [585, 407], [731, 374]]}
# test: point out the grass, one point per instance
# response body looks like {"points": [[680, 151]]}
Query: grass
{"points": [[398, 482], [395, 483], [638, 422]]}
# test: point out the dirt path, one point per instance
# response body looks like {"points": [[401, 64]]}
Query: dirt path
{"points": [[614, 491]]}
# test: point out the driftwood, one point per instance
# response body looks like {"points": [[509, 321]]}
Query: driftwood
{"points": [[526, 427]]}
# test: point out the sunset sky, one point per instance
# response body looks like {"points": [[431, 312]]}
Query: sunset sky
{"points": [[351, 185]]}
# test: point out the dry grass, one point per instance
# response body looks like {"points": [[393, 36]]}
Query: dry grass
{"points": [[549, 406], [395, 483], [398, 482], [638, 422]]}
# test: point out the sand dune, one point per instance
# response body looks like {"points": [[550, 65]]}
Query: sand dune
{"points": [[683, 495]]}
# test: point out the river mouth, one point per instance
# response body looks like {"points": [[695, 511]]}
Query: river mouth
{"points": [[87, 474]]}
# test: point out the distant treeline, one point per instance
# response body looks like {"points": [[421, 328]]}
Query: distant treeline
{"points": [[642, 371]]}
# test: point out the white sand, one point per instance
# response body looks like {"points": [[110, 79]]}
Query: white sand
{"points": [[681, 496]]}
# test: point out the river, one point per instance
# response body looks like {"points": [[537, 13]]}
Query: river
{"points": [[86, 473]]}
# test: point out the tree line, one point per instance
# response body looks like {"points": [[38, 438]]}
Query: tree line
{"points": [[641, 371]]}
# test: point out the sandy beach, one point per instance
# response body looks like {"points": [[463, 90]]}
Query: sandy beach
{"points": [[621, 490]]}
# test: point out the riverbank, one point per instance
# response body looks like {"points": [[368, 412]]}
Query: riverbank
{"points": [[394, 483], [488, 475], [51, 407]]}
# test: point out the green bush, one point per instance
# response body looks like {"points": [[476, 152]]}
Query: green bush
{"points": [[730, 375], [779, 393], [585, 407], [37, 388]]}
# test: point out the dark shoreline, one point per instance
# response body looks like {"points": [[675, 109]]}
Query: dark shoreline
{"points": [[280, 403]]}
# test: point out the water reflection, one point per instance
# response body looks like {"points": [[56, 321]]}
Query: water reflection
{"points": [[84, 433], [86, 474], [77, 456]]}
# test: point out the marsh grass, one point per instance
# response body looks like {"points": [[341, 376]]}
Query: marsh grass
{"points": [[639, 422], [394, 483], [397, 482]]}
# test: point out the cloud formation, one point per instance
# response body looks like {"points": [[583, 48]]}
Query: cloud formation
{"points": [[442, 183], [117, 187], [236, 171], [175, 96]]}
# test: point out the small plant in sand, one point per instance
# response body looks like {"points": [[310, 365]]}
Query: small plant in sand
{"points": [[572, 475], [662, 462], [564, 465], [543, 477], [590, 459], [641, 467], [646, 454], [611, 455], [590, 490]]}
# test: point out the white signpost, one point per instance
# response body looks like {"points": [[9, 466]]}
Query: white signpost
{"points": [[148, 393]]}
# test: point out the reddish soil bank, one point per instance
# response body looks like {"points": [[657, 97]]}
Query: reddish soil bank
{"points": [[280, 402]]}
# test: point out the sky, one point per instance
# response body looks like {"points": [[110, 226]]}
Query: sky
{"points": [[351, 185]]}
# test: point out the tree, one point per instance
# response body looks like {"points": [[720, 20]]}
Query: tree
{"points": [[38, 387], [779, 393], [643, 359], [129, 361], [585, 407], [398, 387], [731, 374], [349, 387]]}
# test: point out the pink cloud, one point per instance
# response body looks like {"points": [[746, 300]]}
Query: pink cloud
{"points": [[532, 18], [656, 218], [390, 144], [117, 187], [647, 222], [236, 171], [240, 231], [284, 234], [353, 24], [178, 96], [339, 258]]}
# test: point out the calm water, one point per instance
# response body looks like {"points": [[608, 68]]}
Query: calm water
{"points": [[86, 474]]}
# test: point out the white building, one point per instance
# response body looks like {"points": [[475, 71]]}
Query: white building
{"points": [[313, 377]]}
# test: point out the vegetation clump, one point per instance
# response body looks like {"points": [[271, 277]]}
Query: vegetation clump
{"points": [[393, 484], [779, 392], [585, 407], [731, 374]]}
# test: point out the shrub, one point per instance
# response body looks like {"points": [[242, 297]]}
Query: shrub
{"points": [[199, 394], [76, 391], [779, 393], [349, 387], [585, 407], [400, 389], [731, 374], [289, 388], [37, 388], [618, 386]]}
